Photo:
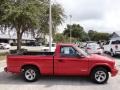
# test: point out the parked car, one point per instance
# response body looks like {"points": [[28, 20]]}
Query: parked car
{"points": [[94, 48], [82, 45], [46, 48], [112, 46], [67, 60], [5, 46]]}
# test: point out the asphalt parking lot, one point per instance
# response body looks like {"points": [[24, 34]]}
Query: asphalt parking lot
{"points": [[10, 81]]}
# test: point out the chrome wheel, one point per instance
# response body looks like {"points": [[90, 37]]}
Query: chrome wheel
{"points": [[30, 74], [100, 76]]}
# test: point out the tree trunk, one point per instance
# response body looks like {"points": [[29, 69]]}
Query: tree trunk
{"points": [[19, 38]]}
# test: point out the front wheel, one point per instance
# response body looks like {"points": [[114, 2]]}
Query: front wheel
{"points": [[30, 74], [112, 53], [99, 75]]}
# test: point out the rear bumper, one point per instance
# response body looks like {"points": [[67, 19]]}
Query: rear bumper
{"points": [[117, 52], [114, 72], [15, 70]]}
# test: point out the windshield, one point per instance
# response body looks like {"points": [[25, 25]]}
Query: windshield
{"points": [[82, 51]]}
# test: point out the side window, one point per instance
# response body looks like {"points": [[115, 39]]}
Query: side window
{"points": [[116, 42], [68, 51]]}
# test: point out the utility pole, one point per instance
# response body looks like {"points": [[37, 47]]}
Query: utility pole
{"points": [[50, 26], [70, 29]]}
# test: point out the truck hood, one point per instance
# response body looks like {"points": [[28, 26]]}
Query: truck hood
{"points": [[96, 57]]}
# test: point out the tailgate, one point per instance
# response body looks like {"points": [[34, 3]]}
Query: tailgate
{"points": [[43, 62], [116, 47]]}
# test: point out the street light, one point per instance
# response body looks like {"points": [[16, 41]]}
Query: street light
{"points": [[50, 26], [70, 28]]}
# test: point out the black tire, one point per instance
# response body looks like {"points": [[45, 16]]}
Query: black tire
{"points": [[34, 74], [104, 73], [112, 53]]}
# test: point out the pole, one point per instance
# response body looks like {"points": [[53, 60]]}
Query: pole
{"points": [[70, 29], [50, 26]]}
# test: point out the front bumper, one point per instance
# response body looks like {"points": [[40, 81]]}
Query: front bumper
{"points": [[117, 52], [114, 72]]}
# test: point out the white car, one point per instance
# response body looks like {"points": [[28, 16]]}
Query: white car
{"points": [[5, 46], [112, 46], [46, 48], [93, 48]]}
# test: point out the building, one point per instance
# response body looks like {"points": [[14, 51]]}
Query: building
{"points": [[114, 35], [12, 38]]}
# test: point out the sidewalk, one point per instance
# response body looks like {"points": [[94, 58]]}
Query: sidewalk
{"points": [[2, 65]]}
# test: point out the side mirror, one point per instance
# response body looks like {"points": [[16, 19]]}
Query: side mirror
{"points": [[79, 55], [82, 56]]}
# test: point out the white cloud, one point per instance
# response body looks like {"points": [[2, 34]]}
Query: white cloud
{"points": [[100, 15], [83, 9]]}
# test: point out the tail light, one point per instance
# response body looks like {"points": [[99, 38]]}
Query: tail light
{"points": [[88, 48], [116, 47]]}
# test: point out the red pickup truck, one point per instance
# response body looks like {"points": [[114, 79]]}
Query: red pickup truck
{"points": [[67, 59]]}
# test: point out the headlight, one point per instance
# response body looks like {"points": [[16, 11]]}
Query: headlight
{"points": [[116, 65]]}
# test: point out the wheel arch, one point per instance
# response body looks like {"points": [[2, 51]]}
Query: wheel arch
{"points": [[101, 66], [30, 65]]}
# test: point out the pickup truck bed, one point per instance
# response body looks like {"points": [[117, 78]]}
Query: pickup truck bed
{"points": [[26, 52], [38, 53]]}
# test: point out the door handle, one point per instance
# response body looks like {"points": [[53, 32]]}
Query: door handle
{"points": [[60, 60]]}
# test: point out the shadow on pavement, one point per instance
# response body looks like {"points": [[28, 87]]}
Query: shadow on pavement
{"points": [[7, 78]]}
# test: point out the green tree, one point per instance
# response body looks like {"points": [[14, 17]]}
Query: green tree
{"points": [[77, 32], [57, 19], [27, 16], [91, 34], [59, 38], [96, 36], [21, 15]]}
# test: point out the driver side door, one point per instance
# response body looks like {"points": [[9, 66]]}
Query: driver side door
{"points": [[69, 63]]}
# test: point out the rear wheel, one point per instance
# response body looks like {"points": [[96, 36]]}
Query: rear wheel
{"points": [[30, 74], [99, 75]]}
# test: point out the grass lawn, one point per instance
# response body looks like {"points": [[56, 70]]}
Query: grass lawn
{"points": [[3, 56]]}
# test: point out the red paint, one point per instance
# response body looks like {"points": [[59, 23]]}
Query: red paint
{"points": [[60, 65]]}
